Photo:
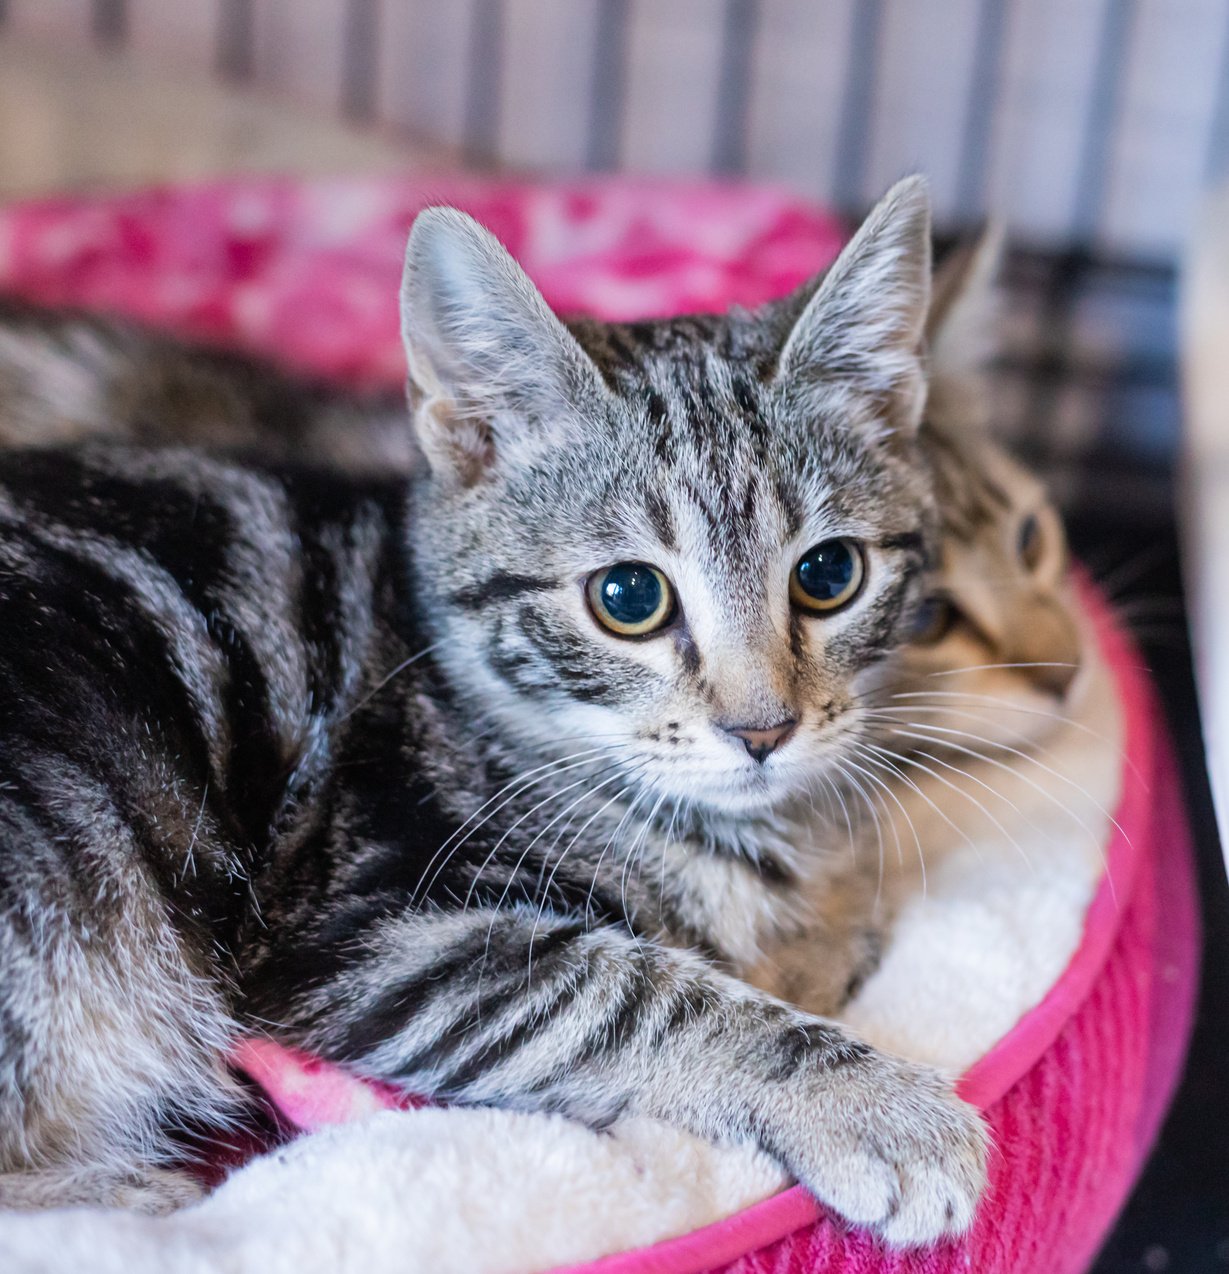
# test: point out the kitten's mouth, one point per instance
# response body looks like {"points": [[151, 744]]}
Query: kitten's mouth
{"points": [[745, 782], [746, 792]]}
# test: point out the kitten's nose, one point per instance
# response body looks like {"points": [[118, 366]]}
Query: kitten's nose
{"points": [[761, 743]]}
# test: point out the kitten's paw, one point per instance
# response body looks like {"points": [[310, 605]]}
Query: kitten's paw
{"points": [[889, 1145]]}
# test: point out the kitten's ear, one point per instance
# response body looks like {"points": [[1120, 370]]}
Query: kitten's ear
{"points": [[491, 369], [962, 326], [865, 324], [962, 333]]}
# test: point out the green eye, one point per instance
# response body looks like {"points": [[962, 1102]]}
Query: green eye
{"points": [[827, 576], [631, 599]]}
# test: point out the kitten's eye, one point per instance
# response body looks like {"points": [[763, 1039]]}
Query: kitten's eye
{"points": [[1028, 542], [827, 576], [933, 621], [631, 599]]}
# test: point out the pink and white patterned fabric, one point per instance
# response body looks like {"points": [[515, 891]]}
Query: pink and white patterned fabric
{"points": [[307, 272]]}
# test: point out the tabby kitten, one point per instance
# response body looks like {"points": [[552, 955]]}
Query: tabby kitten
{"points": [[998, 625], [490, 784]]}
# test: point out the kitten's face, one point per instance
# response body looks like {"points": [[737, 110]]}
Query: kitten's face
{"points": [[689, 543], [724, 514], [999, 652]]}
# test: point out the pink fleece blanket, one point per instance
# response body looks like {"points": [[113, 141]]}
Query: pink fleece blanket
{"points": [[308, 271]]}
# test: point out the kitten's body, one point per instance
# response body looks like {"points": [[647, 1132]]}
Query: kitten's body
{"points": [[68, 378], [249, 718], [292, 838]]}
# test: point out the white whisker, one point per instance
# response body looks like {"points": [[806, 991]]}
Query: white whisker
{"points": [[543, 772], [1024, 778], [639, 843], [400, 668], [972, 697], [1037, 663], [911, 759], [1024, 756], [900, 853], [871, 759]]}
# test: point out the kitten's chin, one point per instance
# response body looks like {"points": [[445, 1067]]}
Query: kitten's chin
{"points": [[742, 795]]}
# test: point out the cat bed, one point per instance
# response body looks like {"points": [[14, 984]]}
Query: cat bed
{"points": [[1073, 1092], [1073, 1084]]}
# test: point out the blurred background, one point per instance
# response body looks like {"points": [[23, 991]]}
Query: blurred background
{"points": [[1087, 125], [1091, 128]]}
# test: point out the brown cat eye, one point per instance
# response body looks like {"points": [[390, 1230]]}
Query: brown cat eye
{"points": [[1029, 544]]}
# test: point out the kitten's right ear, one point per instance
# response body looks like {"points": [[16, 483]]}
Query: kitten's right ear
{"points": [[492, 372]]}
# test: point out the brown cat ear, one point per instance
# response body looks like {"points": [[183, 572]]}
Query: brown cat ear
{"points": [[492, 371], [864, 324], [962, 334], [962, 325]]}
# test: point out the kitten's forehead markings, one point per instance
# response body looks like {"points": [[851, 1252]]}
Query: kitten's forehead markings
{"points": [[660, 518], [709, 435]]}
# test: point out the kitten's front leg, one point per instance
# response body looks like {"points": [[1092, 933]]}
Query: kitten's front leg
{"points": [[503, 1008]]}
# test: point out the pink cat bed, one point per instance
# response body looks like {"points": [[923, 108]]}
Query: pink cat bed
{"points": [[1075, 1091]]}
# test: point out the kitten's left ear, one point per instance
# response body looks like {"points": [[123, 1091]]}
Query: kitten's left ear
{"points": [[865, 324]]}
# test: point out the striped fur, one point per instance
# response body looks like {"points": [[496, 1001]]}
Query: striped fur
{"points": [[68, 378], [349, 761]]}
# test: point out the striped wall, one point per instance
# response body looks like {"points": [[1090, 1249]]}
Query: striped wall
{"points": [[1086, 122]]}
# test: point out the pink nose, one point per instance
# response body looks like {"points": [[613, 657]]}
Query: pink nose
{"points": [[760, 744]]}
